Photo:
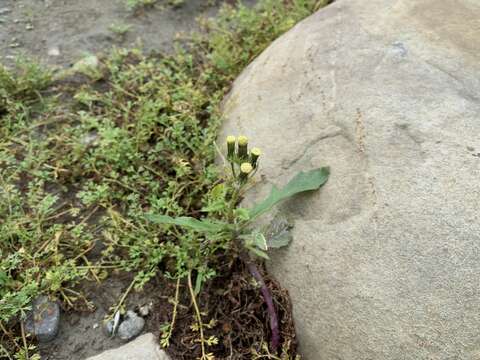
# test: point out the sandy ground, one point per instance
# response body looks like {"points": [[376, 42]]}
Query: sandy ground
{"points": [[82, 334]]}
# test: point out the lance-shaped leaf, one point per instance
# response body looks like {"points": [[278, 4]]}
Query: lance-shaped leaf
{"points": [[189, 222], [303, 181]]}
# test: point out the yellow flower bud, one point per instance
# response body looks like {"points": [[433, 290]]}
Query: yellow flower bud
{"points": [[231, 140], [242, 140], [245, 169], [242, 147], [254, 155]]}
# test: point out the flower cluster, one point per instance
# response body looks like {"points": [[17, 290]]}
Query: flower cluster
{"points": [[239, 156]]}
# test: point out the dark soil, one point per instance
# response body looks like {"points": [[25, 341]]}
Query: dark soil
{"points": [[242, 323]]}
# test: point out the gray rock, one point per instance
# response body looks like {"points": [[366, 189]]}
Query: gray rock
{"points": [[131, 326], [88, 62], [144, 347], [44, 319], [384, 262], [88, 66]]}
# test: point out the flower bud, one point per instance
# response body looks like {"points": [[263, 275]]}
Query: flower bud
{"points": [[245, 169], [254, 155], [231, 140], [242, 147]]}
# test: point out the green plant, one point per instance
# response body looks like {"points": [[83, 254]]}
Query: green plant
{"points": [[22, 88], [120, 28], [137, 4], [176, 3], [227, 226]]}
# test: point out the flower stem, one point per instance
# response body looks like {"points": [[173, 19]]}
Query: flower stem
{"points": [[267, 297]]}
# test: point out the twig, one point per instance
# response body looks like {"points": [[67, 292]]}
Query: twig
{"points": [[120, 303], [4, 352], [199, 315], [175, 305], [24, 338], [2, 327]]}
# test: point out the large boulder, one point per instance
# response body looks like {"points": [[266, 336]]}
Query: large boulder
{"points": [[144, 347], [385, 260]]}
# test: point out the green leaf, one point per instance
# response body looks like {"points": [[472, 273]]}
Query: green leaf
{"points": [[242, 214], [198, 283], [259, 241], [218, 192], [189, 222], [303, 181], [216, 199], [214, 207], [258, 252], [278, 233]]}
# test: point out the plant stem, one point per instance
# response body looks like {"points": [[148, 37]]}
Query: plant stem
{"points": [[267, 297], [24, 338], [199, 315], [175, 305], [120, 303]]}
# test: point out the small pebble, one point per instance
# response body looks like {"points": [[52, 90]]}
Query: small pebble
{"points": [[54, 51], [108, 327], [44, 319], [145, 309], [131, 326], [89, 138], [88, 62], [4, 11]]}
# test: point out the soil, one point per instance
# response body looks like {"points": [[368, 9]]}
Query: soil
{"points": [[81, 333], [233, 300], [60, 32], [241, 325]]}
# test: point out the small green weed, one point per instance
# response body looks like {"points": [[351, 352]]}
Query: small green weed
{"points": [[137, 4], [120, 29], [176, 3]]}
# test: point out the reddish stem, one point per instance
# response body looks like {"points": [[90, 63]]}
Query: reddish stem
{"points": [[267, 297]]}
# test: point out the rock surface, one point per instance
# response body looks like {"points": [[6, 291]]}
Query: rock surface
{"points": [[386, 257], [44, 319], [131, 326], [145, 347]]}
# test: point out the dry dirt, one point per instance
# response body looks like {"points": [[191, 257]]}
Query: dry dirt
{"points": [[59, 32]]}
